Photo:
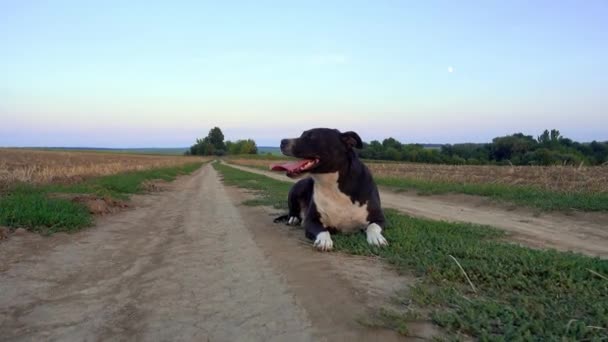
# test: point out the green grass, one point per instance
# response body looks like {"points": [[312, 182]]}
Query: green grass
{"points": [[520, 293], [521, 195], [270, 192], [33, 208]]}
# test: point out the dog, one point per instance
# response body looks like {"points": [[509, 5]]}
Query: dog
{"points": [[339, 195]]}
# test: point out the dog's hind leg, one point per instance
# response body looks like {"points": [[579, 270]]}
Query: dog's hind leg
{"points": [[282, 218], [295, 209]]}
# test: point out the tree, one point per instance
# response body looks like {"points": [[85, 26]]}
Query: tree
{"points": [[552, 137], [212, 144], [229, 147], [392, 153], [510, 146], [249, 147], [242, 147], [373, 150], [391, 142], [216, 138]]}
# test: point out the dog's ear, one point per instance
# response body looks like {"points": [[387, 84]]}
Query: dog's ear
{"points": [[351, 139]]}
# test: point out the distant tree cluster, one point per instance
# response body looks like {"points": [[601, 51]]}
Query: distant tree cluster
{"points": [[550, 148], [213, 144]]}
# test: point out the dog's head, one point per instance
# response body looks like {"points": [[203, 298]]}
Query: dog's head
{"points": [[321, 150]]}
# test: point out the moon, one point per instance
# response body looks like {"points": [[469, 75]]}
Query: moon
{"points": [[450, 69]]}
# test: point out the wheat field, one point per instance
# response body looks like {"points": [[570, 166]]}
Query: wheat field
{"points": [[555, 178], [41, 167]]}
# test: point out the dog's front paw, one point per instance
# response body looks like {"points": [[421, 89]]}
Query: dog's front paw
{"points": [[374, 235], [293, 221], [324, 242]]}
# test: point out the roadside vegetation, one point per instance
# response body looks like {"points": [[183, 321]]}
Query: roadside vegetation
{"points": [[544, 187], [44, 200], [470, 282]]}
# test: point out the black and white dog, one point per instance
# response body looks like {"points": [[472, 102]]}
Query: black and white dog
{"points": [[340, 195]]}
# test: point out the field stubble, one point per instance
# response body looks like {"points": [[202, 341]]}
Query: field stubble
{"points": [[44, 167]]}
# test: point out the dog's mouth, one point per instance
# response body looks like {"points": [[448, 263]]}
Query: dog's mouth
{"points": [[295, 168]]}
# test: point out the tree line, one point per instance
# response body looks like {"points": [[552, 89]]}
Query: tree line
{"points": [[549, 148], [214, 145]]}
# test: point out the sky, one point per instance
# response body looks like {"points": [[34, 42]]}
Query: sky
{"points": [[160, 74]]}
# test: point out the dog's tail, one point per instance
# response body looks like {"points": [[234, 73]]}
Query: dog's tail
{"points": [[282, 218]]}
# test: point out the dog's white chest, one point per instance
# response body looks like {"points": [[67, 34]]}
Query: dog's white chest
{"points": [[335, 207]]}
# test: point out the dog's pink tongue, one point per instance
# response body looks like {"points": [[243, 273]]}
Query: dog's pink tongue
{"points": [[289, 166]]}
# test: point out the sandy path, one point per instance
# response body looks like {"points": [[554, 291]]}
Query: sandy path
{"points": [[182, 268], [185, 265], [581, 233]]}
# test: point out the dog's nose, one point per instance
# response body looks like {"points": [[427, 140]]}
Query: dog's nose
{"points": [[284, 143]]}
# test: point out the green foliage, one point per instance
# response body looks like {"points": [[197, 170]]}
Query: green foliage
{"points": [[34, 208], [213, 144], [242, 147], [550, 148], [520, 293], [216, 138]]}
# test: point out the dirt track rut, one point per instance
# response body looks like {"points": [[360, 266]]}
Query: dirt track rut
{"points": [[186, 265], [577, 233]]}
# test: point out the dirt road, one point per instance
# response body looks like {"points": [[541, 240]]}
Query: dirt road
{"points": [[187, 265], [579, 232]]}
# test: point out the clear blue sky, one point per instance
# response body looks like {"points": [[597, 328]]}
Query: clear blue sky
{"points": [[136, 73]]}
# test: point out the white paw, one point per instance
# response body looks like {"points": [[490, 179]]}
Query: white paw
{"points": [[374, 235], [323, 242], [293, 221]]}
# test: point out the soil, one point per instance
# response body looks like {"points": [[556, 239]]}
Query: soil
{"points": [[96, 205]]}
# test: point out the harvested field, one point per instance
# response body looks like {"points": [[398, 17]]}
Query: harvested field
{"points": [[43, 167], [554, 178]]}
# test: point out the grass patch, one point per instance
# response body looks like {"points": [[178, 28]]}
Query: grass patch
{"points": [[120, 185], [269, 191], [520, 293], [522, 195], [31, 207]]}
